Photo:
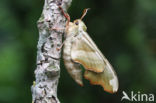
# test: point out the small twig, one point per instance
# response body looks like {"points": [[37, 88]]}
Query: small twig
{"points": [[47, 73]]}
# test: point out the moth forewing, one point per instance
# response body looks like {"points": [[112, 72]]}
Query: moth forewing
{"points": [[107, 79], [114, 80], [84, 54], [98, 70]]}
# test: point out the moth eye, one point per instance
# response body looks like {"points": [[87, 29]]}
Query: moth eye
{"points": [[77, 23]]}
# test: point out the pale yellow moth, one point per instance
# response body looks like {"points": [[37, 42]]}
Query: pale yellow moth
{"points": [[79, 49]]}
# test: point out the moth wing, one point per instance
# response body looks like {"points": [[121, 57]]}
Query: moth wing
{"points": [[99, 70], [107, 79], [82, 52]]}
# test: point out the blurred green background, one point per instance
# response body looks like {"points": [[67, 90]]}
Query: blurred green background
{"points": [[124, 30]]}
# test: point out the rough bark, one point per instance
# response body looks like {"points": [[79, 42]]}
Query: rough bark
{"points": [[47, 73]]}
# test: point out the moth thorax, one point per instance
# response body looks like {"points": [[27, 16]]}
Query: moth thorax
{"points": [[72, 29], [81, 24]]}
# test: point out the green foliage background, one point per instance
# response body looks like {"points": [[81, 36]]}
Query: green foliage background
{"points": [[124, 30]]}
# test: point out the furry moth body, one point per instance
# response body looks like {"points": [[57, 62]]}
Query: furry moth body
{"points": [[79, 49]]}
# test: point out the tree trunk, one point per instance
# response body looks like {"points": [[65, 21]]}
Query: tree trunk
{"points": [[47, 73]]}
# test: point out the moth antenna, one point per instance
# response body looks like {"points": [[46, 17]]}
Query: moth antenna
{"points": [[84, 13], [66, 15]]}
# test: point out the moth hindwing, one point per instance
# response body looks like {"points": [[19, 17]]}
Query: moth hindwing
{"points": [[80, 49]]}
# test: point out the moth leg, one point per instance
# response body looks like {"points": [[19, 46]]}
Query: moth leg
{"points": [[58, 49], [66, 15], [55, 28], [63, 41]]}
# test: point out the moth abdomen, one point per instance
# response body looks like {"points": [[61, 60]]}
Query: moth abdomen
{"points": [[73, 68]]}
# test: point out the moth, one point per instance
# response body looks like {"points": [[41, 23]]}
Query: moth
{"points": [[80, 49]]}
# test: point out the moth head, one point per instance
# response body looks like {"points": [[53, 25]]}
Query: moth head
{"points": [[80, 24], [72, 29], [77, 25]]}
